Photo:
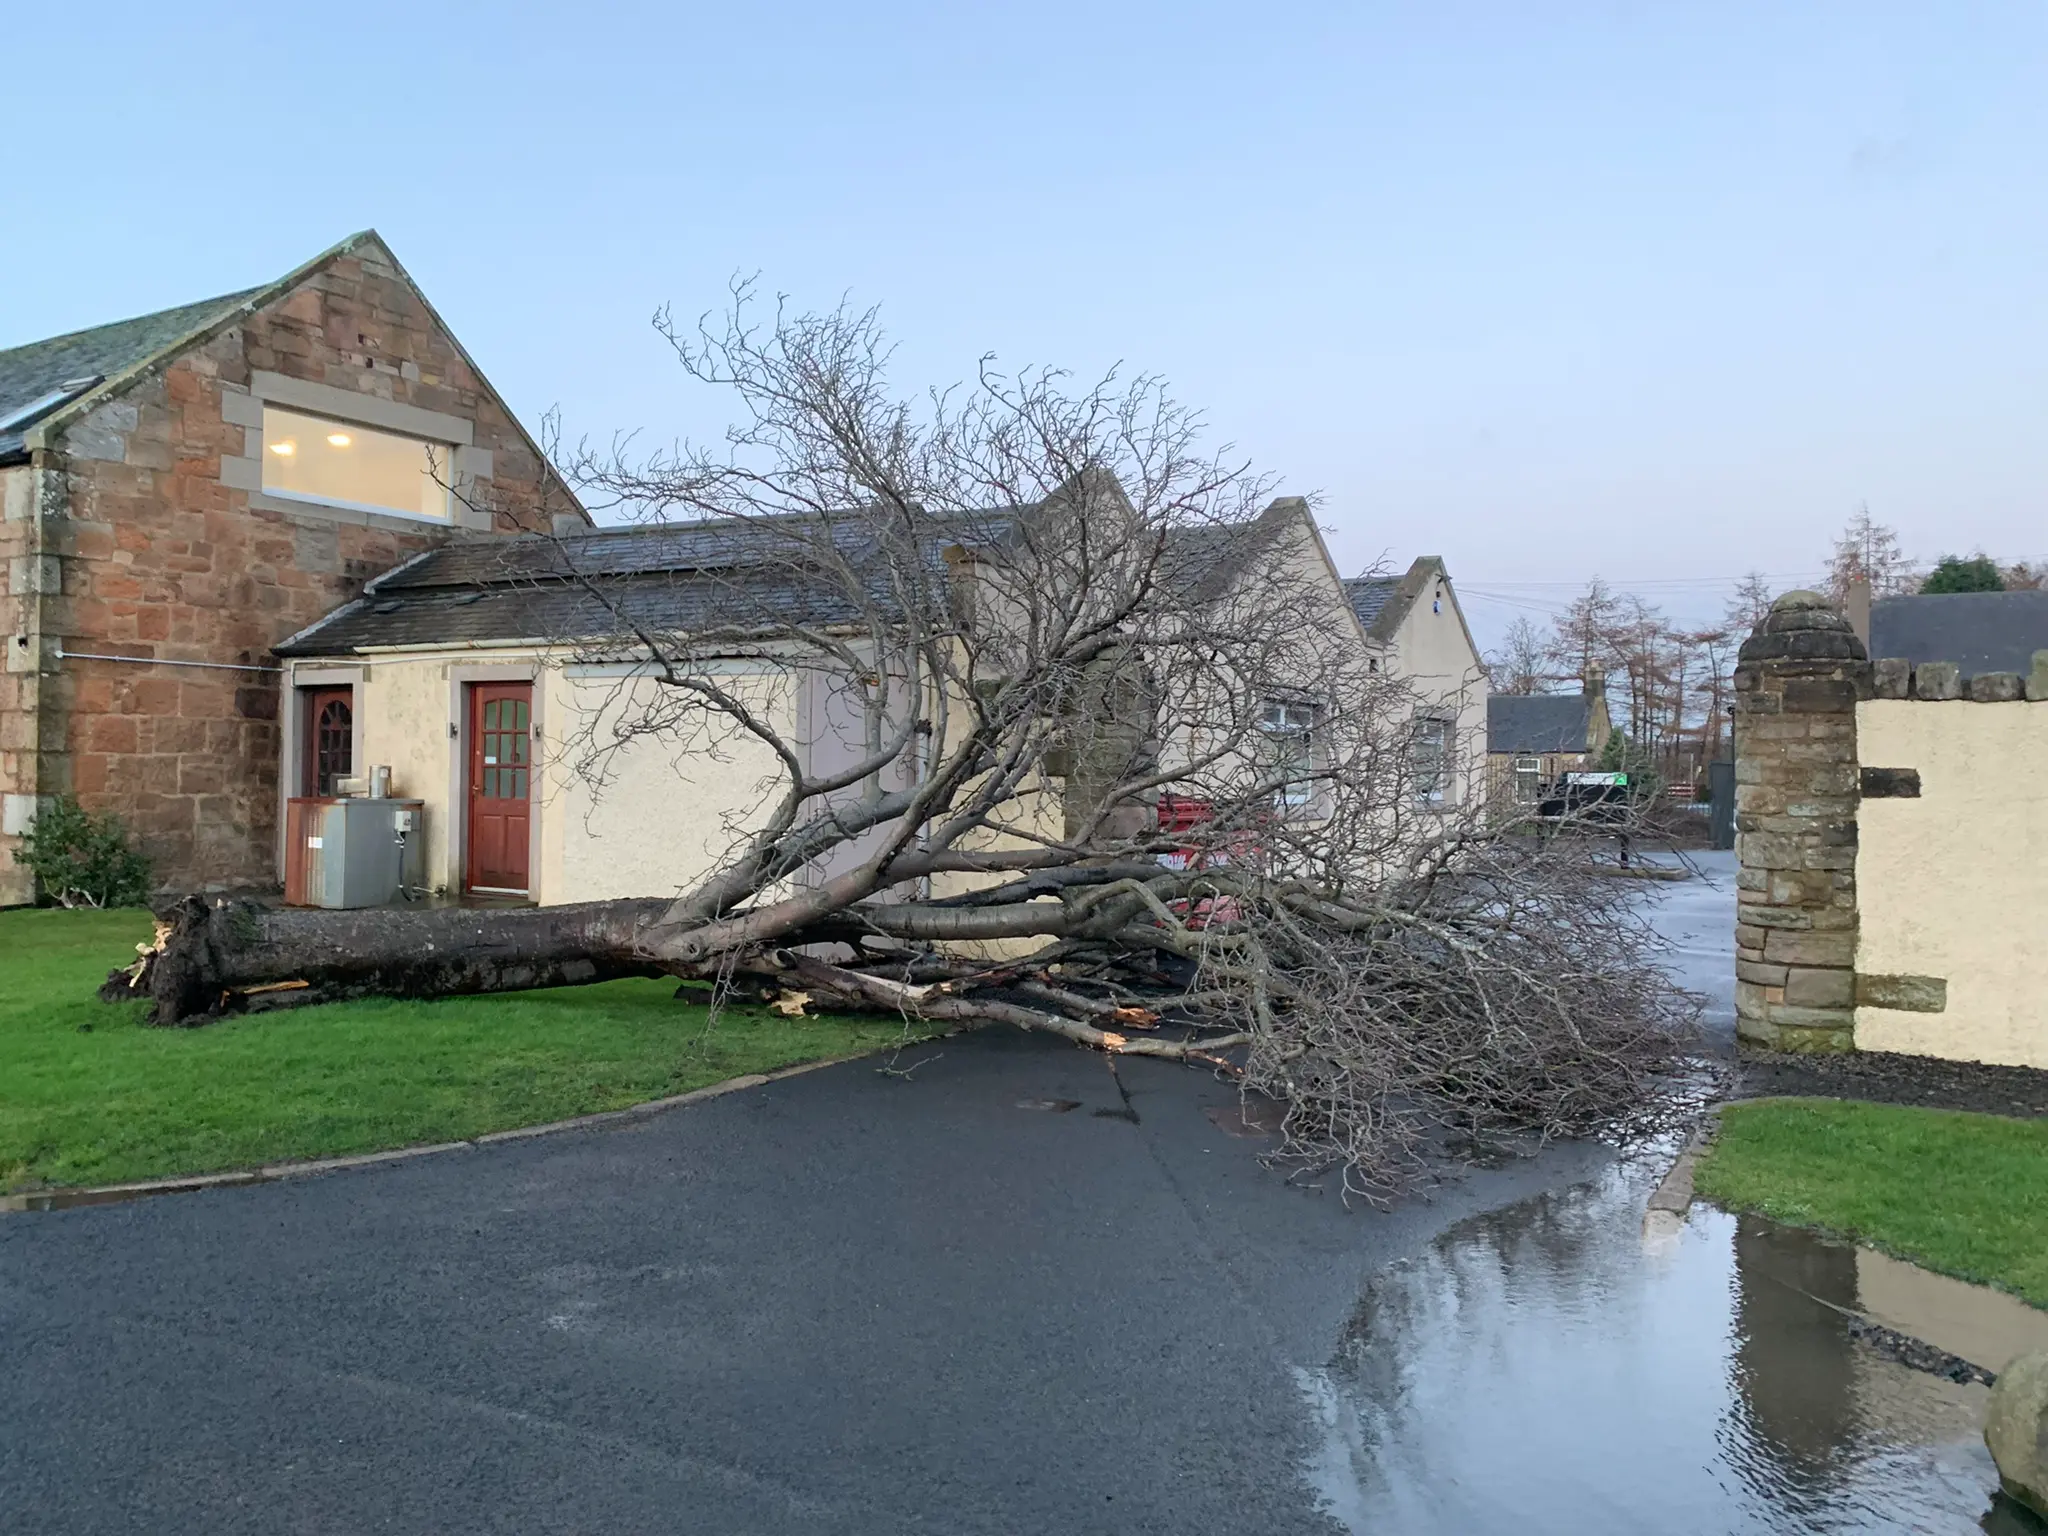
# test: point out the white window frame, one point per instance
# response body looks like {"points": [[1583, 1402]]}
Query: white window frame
{"points": [[1436, 792], [1294, 719], [1530, 768]]}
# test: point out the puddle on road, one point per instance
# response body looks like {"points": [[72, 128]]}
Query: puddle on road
{"points": [[1548, 1368]]}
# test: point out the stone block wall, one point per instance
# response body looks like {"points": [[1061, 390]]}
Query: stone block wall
{"points": [[1796, 683], [158, 545], [1892, 836]]}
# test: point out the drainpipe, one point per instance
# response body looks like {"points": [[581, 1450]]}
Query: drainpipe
{"points": [[28, 657], [157, 661]]}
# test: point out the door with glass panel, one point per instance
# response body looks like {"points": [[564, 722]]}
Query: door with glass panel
{"points": [[500, 787], [327, 734]]}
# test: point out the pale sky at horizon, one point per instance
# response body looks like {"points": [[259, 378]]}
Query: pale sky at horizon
{"points": [[1661, 292]]}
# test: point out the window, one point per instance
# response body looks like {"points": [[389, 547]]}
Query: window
{"points": [[505, 726], [1291, 748], [346, 465], [1430, 759], [1528, 780], [329, 739]]}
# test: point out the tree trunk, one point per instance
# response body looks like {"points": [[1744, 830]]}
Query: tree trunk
{"points": [[216, 957]]}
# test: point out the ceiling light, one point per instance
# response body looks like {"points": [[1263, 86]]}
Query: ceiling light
{"points": [[338, 439], [286, 449]]}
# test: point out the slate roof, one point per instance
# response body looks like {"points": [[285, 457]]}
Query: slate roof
{"points": [[665, 548], [83, 358], [679, 578], [1201, 562], [1978, 631], [1370, 595], [1382, 603], [673, 579], [560, 611], [1537, 722]]}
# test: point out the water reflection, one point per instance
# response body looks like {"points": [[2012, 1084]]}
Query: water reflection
{"points": [[1545, 1368]]}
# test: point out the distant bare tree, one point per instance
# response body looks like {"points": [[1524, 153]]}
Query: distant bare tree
{"points": [[1643, 657], [1749, 606], [1583, 636], [2020, 576], [1037, 610], [1517, 665], [1713, 687], [1869, 550]]}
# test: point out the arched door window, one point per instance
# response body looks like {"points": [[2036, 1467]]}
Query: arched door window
{"points": [[330, 739]]}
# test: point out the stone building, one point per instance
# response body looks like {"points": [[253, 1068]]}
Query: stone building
{"points": [[1532, 739], [185, 490]]}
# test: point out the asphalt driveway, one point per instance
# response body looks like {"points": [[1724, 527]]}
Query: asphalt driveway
{"points": [[842, 1302]]}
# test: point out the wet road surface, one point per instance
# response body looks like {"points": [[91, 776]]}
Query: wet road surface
{"points": [[839, 1303]]}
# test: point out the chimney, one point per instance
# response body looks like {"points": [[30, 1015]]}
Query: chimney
{"points": [[568, 523], [1856, 608]]}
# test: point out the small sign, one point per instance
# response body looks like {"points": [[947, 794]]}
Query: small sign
{"points": [[1596, 778], [315, 842], [489, 761]]}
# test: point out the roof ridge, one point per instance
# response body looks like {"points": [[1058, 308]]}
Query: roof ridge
{"points": [[223, 301]]}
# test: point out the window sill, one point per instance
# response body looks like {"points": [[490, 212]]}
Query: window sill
{"points": [[332, 504]]}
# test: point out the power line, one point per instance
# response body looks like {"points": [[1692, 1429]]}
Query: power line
{"points": [[1652, 581]]}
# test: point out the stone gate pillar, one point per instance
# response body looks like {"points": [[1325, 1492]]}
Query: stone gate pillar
{"points": [[1797, 681]]}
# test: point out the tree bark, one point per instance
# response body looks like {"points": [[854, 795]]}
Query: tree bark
{"points": [[216, 956], [221, 957]]}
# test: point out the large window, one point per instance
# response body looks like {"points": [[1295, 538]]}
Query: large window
{"points": [[1290, 730], [347, 465], [1430, 759]]}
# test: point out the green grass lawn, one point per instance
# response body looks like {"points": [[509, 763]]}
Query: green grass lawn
{"points": [[1964, 1194], [90, 1095]]}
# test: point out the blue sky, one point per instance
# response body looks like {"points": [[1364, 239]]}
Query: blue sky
{"points": [[1660, 291]]}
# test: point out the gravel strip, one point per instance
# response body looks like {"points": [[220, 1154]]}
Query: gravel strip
{"points": [[1917, 1354], [1884, 1078]]}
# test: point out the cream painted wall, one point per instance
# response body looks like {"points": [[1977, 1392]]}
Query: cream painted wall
{"points": [[404, 707], [674, 804], [671, 809], [1955, 883], [1433, 652]]}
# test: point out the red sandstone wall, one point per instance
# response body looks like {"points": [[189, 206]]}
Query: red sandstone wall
{"points": [[160, 558]]}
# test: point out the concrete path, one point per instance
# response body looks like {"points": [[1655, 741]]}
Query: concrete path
{"points": [[844, 1302]]}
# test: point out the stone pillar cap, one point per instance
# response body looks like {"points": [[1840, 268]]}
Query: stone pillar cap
{"points": [[1804, 626]]}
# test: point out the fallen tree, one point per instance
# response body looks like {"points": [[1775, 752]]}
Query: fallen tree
{"points": [[214, 957], [1104, 753]]}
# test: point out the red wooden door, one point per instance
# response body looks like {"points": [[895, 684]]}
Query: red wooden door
{"points": [[500, 785], [328, 733]]}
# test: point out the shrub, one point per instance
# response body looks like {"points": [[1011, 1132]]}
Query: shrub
{"points": [[1952, 573], [81, 858]]}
